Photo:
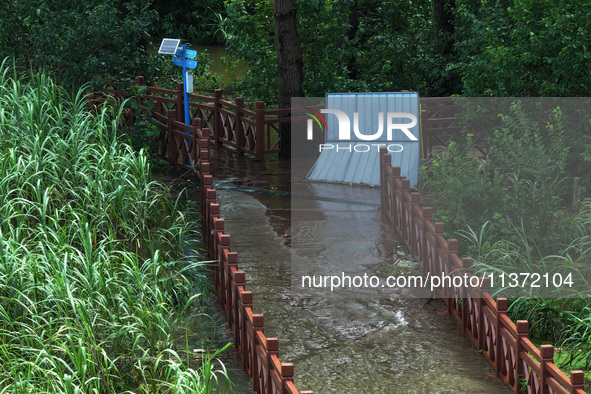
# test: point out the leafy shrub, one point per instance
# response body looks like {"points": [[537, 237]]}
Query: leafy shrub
{"points": [[523, 178], [79, 41]]}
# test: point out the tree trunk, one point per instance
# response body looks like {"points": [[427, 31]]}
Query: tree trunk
{"points": [[442, 13], [443, 35], [351, 34], [289, 64]]}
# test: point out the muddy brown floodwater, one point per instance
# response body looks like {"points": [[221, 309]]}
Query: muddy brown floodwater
{"points": [[339, 343]]}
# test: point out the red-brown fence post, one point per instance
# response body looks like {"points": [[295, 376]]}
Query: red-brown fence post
{"points": [[286, 375], [433, 265], [238, 129], [213, 224], [577, 380], [245, 304], [257, 325], [383, 182], [207, 196], [231, 259], [166, 138], [484, 288], [260, 130], [171, 146], [522, 327], [194, 149], [217, 120], [237, 283], [405, 222], [452, 249], [396, 201], [223, 244], [424, 253], [240, 329], [415, 200], [140, 81], [502, 306], [180, 107], [466, 264], [272, 350], [547, 353]]}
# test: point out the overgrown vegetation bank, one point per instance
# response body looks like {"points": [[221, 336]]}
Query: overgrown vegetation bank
{"points": [[93, 275]]}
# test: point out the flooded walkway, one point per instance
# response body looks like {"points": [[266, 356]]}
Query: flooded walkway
{"points": [[339, 342]]}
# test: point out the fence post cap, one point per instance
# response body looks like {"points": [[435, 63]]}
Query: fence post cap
{"points": [[577, 378], [547, 352], [287, 370], [467, 262], [439, 228], [522, 327], [272, 344], [452, 245], [258, 321]]}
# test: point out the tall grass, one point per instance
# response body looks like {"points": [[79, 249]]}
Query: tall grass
{"points": [[93, 276], [566, 320]]}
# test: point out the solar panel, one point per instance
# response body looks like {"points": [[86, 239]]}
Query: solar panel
{"points": [[169, 46]]}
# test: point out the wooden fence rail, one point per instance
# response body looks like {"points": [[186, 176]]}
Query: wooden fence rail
{"points": [[484, 320], [257, 132], [188, 147], [259, 353], [254, 132]]}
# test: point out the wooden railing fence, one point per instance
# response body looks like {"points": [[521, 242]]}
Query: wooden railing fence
{"points": [[259, 353], [188, 147], [254, 132], [484, 320]]}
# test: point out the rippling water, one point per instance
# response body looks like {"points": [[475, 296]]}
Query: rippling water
{"points": [[340, 342]]}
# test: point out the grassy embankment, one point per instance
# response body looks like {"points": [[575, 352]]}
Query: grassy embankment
{"points": [[93, 277]]}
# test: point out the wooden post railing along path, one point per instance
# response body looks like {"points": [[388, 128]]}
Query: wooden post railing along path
{"points": [[253, 132], [191, 150], [260, 354], [484, 320]]}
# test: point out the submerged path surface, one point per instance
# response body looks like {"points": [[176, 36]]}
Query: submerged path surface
{"points": [[339, 343]]}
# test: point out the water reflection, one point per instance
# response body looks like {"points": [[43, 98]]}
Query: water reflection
{"points": [[340, 342]]}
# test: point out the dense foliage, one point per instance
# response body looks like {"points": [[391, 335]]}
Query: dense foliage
{"points": [[489, 48], [93, 274], [78, 41], [194, 21], [512, 208], [535, 148], [524, 47], [436, 47], [96, 41]]}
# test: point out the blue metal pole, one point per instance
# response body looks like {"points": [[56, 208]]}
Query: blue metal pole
{"points": [[186, 95]]}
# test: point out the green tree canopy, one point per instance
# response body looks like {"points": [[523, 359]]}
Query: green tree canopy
{"points": [[78, 41]]}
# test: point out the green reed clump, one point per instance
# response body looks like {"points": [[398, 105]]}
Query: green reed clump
{"points": [[564, 321], [92, 268]]}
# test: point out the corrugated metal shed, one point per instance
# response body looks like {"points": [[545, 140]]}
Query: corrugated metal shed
{"points": [[356, 160]]}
